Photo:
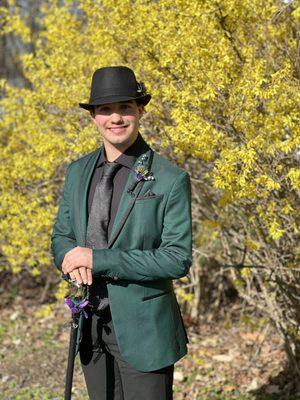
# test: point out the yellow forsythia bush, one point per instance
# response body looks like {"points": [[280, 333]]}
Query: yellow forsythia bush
{"points": [[225, 82], [224, 76]]}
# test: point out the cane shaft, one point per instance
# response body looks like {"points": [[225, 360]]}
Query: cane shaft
{"points": [[71, 360]]}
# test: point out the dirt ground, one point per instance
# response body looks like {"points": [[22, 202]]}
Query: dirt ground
{"points": [[241, 359]]}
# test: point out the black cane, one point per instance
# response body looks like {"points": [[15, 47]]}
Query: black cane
{"points": [[71, 357], [75, 337]]}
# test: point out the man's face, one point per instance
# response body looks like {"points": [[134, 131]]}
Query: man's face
{"points": [[118, 123]]}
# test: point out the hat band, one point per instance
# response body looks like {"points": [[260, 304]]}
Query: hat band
{"points": [[115, 91]]}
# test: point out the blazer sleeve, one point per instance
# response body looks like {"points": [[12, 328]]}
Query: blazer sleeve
{"points": [[171, 260], [63, 238]]}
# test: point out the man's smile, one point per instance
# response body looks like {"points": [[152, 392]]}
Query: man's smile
{"points": [[117, 129]]}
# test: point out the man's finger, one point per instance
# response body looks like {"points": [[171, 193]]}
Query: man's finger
{"points": [[69, 267], [77, 276], [72, 276], [64, 268], [90, 276], [83, 274]]}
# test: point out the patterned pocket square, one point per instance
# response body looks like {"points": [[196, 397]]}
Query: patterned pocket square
{"points": [[149, 195]]}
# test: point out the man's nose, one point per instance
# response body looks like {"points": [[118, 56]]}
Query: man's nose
{"points": [[116, 118]]}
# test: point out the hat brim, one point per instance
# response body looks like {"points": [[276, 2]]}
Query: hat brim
{"points": [[115, 99]]}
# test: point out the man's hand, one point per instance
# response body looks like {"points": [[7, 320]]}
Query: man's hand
{"points": [[82, 275], [79, 262]]}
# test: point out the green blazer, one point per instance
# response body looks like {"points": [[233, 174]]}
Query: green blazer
{"points": [[150, 245]]}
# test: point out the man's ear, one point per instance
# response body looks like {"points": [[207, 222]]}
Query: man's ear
{"points": [[142, 110], [92, 115]]}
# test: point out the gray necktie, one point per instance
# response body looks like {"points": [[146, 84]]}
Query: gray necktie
{"points": [[100, 210], [97, 229]]}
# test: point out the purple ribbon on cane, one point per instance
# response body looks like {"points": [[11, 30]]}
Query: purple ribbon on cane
{"points": [[77, 308]]}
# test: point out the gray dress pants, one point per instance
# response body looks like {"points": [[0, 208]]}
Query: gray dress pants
{"points": [[108, 376]]}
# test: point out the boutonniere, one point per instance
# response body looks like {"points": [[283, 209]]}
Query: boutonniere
{"points": [[77, 299], [142, 172]]}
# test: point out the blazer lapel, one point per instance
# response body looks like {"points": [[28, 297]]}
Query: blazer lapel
{"points": [[81, 203], [128, 197]]}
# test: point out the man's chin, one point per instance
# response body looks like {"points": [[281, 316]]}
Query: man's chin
{"points": [[121, 139]]}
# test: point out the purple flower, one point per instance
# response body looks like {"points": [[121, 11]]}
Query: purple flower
{"points": [[77, 307], [139, 176], [143, 174]]}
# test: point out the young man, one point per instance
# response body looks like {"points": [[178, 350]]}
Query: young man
{"points": [[124, 228]]}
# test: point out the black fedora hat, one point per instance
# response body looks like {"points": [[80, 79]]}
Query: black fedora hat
{"points": [[113, 84]]}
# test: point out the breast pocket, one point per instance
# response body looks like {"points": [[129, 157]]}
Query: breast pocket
{"points": [[149, 197]]}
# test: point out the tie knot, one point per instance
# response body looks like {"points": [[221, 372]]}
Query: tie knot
{"points": [[110, 168]]}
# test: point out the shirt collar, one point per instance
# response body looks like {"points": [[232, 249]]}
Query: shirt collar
{"points": [[130, 155]]}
